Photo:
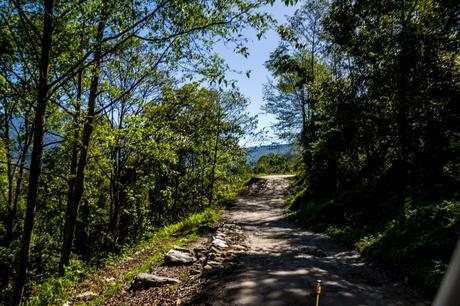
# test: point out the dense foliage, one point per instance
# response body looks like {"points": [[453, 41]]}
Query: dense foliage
{"points": [[103, 135], [116, 119], [370, 89], [274, 163]]}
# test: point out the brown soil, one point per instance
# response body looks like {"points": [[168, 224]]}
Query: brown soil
{"points": [[280, 265], [166, 295], [284, 262]]}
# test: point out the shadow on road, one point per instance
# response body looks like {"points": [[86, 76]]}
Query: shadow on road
{"points": [[284, 262]]}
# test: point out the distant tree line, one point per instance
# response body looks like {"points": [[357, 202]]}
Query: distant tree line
{"points": [[275, 164]]}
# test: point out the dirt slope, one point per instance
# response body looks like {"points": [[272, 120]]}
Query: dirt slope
{"points": [[284, 262]]}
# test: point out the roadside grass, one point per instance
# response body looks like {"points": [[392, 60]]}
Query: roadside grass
{"points": [[147, 254], [412, 237]]}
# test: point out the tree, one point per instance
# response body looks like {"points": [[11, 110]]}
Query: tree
{"points": [[37, 149], [272, 163], [57, 63], [181, 28], [296, 65], [382, 142]]}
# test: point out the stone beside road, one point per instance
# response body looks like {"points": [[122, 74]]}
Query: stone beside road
{"points": [[145, 280], [179, 257]]}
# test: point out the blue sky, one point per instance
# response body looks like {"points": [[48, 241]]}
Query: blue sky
{"points": [[259, 52]]}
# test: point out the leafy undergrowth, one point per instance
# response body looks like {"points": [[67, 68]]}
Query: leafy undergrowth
{"points": [[411, 236], [122, 269]]}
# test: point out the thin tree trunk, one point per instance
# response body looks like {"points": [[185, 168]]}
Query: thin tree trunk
{"points": [[176, 183], [17, 192], [116, 179], [69, 227], [203, 164], [404, 59], [214, 161], [9, 174], [73, 164], [115, 217], [37, 152]]}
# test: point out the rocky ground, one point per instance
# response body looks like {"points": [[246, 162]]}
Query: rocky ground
{"points": [[257, 256], [283, 262], [180, 279]]}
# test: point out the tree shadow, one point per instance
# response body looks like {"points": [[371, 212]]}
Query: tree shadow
{"points": [[285, 271]]}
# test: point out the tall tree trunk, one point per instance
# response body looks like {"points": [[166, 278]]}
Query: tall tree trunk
{"points": [[71, 218], [115, 217], [73, 163], [37, 152], [17, 191], [116, 185], [9, 173], [176, 179], [203, 168], [405, 62], [214, 161]]}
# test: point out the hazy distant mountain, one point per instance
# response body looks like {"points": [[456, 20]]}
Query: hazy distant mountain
{"points": [[254, 153]]}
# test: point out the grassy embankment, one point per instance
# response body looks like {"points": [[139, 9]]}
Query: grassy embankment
{"points": [[411, 234], [144, 255]]}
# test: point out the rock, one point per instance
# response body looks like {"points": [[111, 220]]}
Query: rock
{"points": [[207, 267], [214, 264], [212, 268], [199, 252], [86, 296], [219, 243], [216, 257], [176, 257], [146, 280], [233, 253], [220, 236], [182, 249], [312, 250], [215, 250], [214, 254]]}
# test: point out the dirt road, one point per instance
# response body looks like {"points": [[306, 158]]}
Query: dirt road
{"points": [[284, 262]]}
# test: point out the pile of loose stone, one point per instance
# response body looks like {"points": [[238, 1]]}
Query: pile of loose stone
{"points": [[226, 245], [218, 255]]}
